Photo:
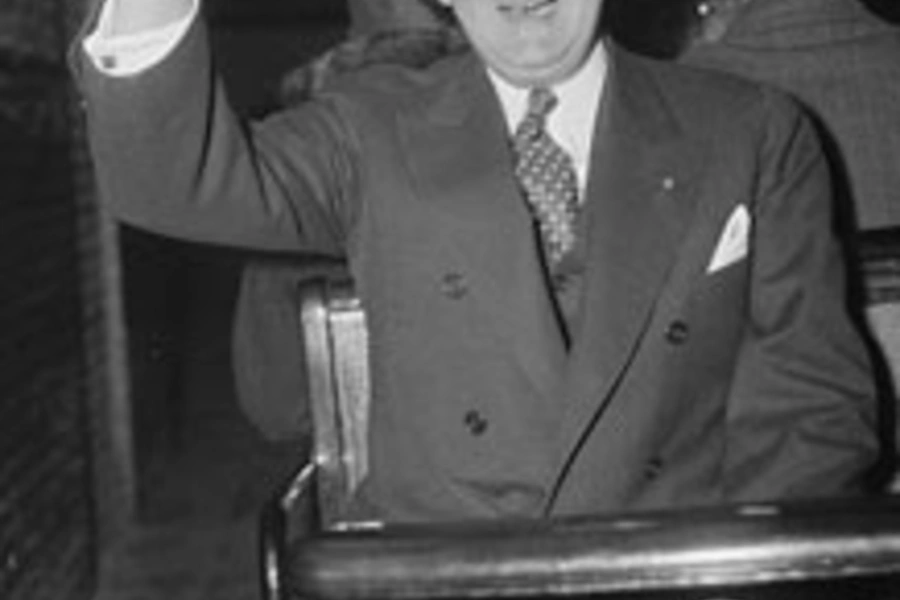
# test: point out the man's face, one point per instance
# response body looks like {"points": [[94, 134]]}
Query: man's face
{"points": [[530, 42]]}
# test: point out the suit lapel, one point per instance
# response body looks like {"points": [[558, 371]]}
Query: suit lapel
{"points": [[638, 208], [455, 144]]}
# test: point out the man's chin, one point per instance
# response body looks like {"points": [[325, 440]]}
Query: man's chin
{"points": [[537, 74]]}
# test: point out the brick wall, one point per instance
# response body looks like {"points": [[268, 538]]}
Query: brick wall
{"points": [[46, 510], [54, 315]]}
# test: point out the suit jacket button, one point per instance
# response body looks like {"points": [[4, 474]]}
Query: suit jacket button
{"points": [[653, 468], [475, 422], [453, 285], [108, 61], [677, 332], [560, 282]]}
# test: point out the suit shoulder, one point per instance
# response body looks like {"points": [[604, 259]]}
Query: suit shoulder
{"points": [[392, 86], [706, 96]]}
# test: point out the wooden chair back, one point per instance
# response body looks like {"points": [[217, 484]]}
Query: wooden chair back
{"points": [[335, 338]]}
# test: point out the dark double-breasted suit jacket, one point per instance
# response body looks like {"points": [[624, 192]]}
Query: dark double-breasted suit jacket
{"points": [[711, 357]]}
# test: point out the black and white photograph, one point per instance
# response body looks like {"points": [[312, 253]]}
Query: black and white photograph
{"points": [[450, 299]]}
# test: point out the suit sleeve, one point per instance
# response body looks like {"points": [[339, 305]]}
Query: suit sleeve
{"points": [[801, 415], [171, 156]]}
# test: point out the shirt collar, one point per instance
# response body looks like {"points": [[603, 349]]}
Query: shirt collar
{"points": [[573, 120], [578, 96]]}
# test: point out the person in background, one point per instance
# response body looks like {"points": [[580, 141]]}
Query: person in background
{"points": [[593, 282], [841, 61]]}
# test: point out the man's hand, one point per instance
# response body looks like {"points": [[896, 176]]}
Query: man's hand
{"points": [[135, 16]]}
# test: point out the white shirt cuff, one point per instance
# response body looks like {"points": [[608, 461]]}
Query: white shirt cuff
{"points": [[125, 55]]}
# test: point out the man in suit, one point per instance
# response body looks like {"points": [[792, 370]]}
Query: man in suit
{"points": [[593, 282]]}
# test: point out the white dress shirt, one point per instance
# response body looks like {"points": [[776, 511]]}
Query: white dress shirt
{"points": [[126, 55], [571, 123]]}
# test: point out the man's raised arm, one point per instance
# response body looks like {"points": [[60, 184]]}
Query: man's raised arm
{"points": [[171, 155]]}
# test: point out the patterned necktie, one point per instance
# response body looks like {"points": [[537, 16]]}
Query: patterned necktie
{"points": [[547, 176]]}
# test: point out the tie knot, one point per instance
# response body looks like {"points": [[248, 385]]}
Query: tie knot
{"points": [[540, 102]]}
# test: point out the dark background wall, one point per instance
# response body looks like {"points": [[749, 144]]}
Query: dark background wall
{"points": [[52, 364], [46, 511], [275, 13]]}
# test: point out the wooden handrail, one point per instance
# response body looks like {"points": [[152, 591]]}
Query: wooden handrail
{"points": [[743, 545]]}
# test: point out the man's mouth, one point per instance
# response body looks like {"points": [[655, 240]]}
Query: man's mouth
{"points": [[527, 7]]}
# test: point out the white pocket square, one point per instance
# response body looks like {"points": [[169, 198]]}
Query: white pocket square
{"points": [[734, 242]]}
